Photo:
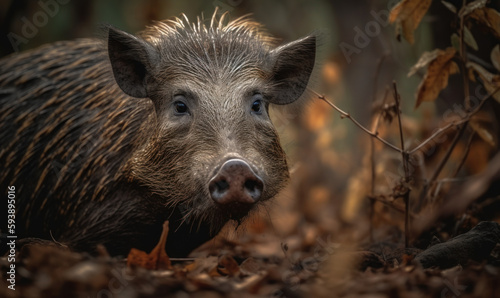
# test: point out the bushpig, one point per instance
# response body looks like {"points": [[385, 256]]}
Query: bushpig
{"points": [[104, 140]]}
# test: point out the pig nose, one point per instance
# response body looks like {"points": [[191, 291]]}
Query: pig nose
{"points": [[236, 182]]}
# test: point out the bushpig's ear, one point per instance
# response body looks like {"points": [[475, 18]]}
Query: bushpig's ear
{"points": [[293, 64], [131, 59]]}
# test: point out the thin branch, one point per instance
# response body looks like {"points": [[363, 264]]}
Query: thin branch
{"points": [[404, 159], [455, 123], [398, 109], [466, 153], [347, 115]]}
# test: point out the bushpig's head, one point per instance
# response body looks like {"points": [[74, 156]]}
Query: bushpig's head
{"points": [[214, 152]]}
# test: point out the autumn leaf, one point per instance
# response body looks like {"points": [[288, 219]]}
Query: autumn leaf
{"points": [[440, 67], [489, 18], [157, 259], [407, 15], [490, 81], [424, 60]]}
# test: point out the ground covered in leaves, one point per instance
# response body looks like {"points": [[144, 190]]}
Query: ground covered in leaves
{"points": [[263, 265]]}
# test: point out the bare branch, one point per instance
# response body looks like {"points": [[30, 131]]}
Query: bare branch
{"points": [[347, 115], [404, 159]]}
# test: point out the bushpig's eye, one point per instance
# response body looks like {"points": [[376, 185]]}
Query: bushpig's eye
{"points": [[180, 107], [257, 104]]}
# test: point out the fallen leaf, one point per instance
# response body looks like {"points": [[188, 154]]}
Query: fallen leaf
{"points": [[407, 15], [490, 81], [157, 259], [489, 18], [436, 78], [227, 266], [495, 57], [467, 9]]}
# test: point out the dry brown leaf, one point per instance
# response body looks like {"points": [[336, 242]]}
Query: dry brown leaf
{"points": [[407, 15], [467, 9], [482, 125], [436, 78], [227, 266], [495, 57], [489, 18], [490, 81], [157, 259], [424, 60]]}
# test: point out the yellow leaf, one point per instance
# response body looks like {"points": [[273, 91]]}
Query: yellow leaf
{"points": [[489, 18], [407, 15], [490, 81], [436, 78]]}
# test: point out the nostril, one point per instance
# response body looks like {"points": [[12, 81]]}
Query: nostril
{"points": [[254, 187], [250, 184], [222, 185], [236, 182]]}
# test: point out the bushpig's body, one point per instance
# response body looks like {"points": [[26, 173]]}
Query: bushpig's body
{"points": [[105, 141]]}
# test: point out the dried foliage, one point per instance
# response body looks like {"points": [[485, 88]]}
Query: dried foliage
{"points": [[407, 15]]}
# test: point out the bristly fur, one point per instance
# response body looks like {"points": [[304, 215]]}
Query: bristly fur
{"points": [[219, 50], [93, 165]]}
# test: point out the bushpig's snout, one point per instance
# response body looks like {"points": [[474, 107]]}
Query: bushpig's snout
{"points": [[236, 183]]}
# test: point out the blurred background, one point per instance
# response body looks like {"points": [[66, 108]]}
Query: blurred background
{"points": [[359, 58]]}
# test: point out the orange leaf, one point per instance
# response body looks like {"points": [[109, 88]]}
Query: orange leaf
{"points": [[407, 15], [436, 78], [157, 259], [227, 266]]}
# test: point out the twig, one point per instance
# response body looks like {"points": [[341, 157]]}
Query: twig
{"points": [[466, 153], [389, 204], [443, 161], [347, 115], [404, 159], [454, 123]]}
